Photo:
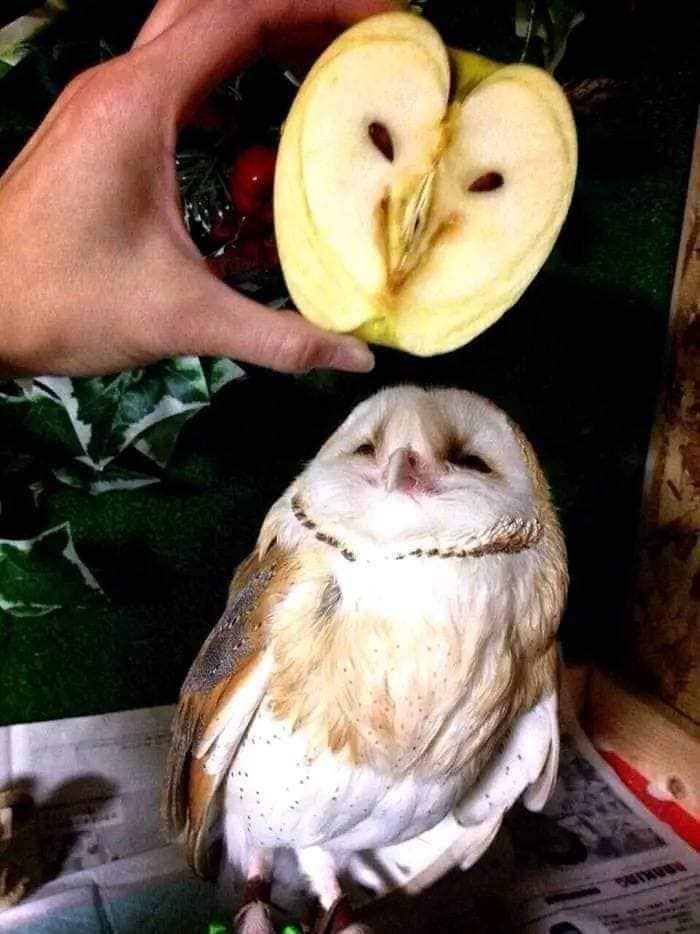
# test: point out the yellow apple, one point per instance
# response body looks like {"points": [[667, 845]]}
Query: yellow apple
{"points": [[418, 189]]}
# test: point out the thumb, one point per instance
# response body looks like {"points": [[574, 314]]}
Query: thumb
{"points": [[219, 321]]}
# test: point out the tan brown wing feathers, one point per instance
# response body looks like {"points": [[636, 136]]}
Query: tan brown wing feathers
{"points": [[230, 640], [221, 665], [241, 693]]}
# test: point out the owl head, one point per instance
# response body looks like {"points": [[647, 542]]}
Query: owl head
{"points": [[426, 472]]}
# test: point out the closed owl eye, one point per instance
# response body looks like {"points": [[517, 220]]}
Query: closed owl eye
{"points": [[464, 460], [365, 450]]}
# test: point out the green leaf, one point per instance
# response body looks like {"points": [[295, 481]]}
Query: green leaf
{"points": [[563, 16], [43, 574], [218, 371], [158, 443], [79, 427], [16, 37], [550, 22], [82, 477], [39, 417], [148, 405]]}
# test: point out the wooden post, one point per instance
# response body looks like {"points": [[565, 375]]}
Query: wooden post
{"points": [[666, 604], [657, 732]]}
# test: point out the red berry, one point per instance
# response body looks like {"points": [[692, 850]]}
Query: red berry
{"points": [[251, 179], [270, 248], [236, 259], [233, 226], [266, 214], [252, 225], [251, 250], [225, 228]]}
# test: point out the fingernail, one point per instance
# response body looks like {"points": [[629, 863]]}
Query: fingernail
{"points": [[354, 356]]}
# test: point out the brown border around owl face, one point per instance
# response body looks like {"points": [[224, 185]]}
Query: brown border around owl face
{"points": [[504, 538]]}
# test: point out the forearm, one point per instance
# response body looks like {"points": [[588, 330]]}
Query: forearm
{"points": [[17, 331]]}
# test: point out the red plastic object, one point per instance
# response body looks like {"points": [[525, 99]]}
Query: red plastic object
{"points": [[680, 821]]}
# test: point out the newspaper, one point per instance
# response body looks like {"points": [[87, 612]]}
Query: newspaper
{"points": [[595, 861], [97, 781]]}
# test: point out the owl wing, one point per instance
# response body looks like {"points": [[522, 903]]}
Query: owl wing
{"points": [[525, 768], [219, 697]]}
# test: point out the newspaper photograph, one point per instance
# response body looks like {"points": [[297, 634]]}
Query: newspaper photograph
{"points": [[594, 861]]}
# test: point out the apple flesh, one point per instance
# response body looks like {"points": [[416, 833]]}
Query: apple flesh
{"points": [[418, 190]]}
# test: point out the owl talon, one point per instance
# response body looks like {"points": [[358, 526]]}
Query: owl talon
{"points": [[13, 885], [339, 920], [253, 918]]}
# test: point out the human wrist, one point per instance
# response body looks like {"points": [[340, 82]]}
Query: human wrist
{"points": [[20, 331]]}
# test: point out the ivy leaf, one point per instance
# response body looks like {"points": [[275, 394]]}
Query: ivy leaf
{"points": [[82, 477], [16, 37], [218, 371], [550, 22], [43, 574], [36, 416], [158, 442], [96, 419], [563, 17]]}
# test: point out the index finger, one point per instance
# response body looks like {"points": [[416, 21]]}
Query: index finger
{"points": [[163, 14], [210, 39]]}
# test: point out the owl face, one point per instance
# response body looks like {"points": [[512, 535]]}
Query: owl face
{"points": [[411, 467]]}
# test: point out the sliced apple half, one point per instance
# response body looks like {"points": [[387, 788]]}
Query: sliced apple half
{"points": [[418, 190]]}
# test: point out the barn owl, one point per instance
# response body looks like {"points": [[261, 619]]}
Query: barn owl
{"points": [[382, 684]]}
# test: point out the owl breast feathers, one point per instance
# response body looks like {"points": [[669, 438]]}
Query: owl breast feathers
{"points": [[382, 684]]}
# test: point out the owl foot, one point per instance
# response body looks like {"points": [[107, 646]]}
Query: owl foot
{"points": [[254, 916], [339, 920], [13, 885]]}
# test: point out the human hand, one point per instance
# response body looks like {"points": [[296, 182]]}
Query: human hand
{"points": [[97, 271]]}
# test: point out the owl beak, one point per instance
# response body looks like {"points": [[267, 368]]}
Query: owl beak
{"points": [[404, 472]]}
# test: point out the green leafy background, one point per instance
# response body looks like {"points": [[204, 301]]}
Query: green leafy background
{"points": [[161, 517]]}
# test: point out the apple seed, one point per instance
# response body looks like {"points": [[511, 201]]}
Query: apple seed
{"points": [[381, 138]]}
